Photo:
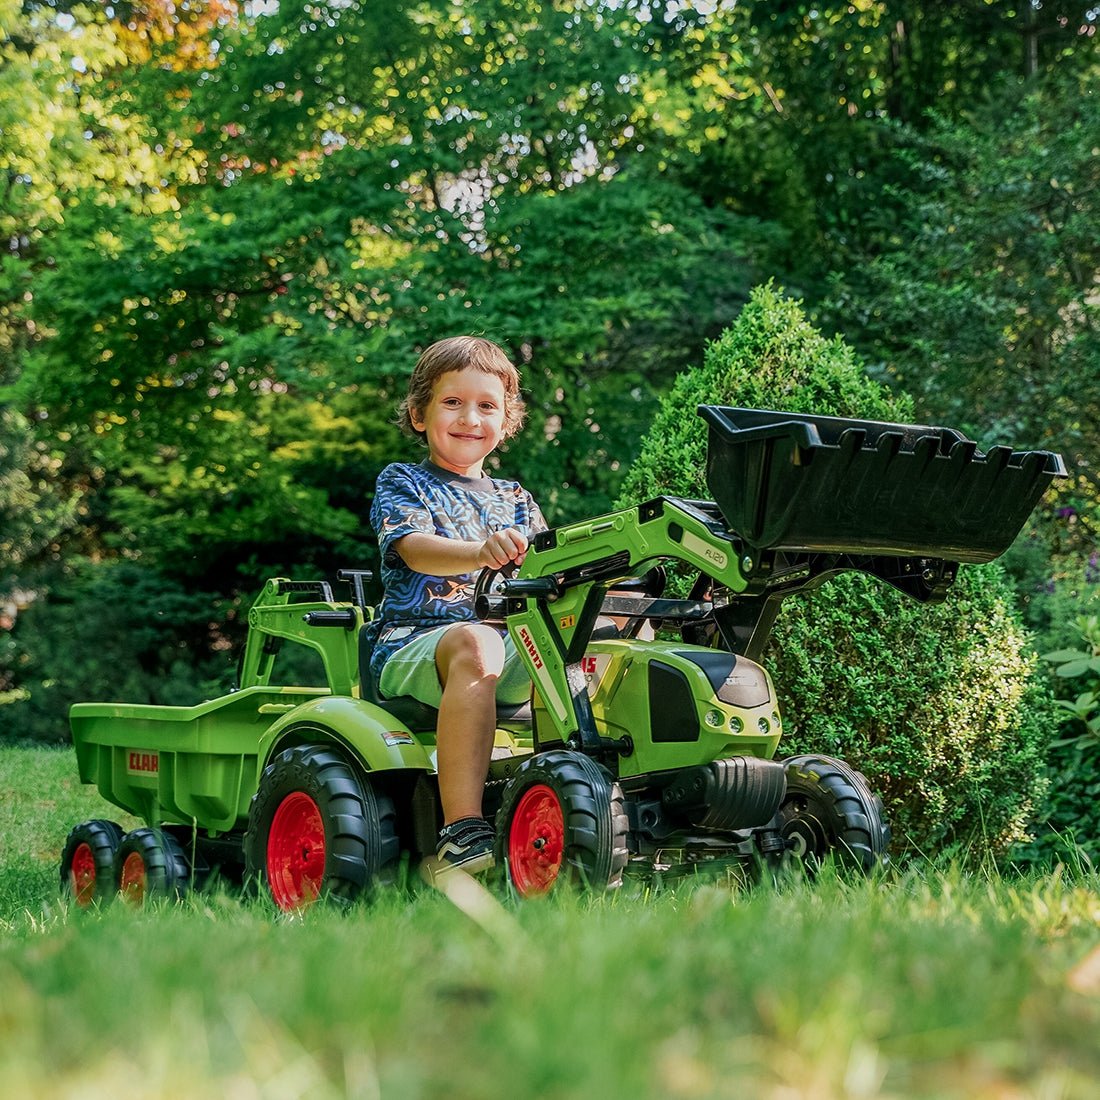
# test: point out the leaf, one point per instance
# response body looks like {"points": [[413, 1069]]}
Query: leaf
{"points": [[1074, 668], [1060, 655]]}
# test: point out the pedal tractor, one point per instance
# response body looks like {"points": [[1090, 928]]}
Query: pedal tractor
{"points": [[652, 735]]}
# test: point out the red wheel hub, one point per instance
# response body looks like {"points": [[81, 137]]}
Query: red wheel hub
{"points": [[296, 852], [82, 874], [131, 882], [536, 841]]}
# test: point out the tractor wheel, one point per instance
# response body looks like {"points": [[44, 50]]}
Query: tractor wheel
{"points": [[88, 862], [316, 829], [561, 820], [829, 807], [150, 863]]}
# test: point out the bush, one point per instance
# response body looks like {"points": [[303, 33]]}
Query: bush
{"points": [[110, 631], [1056, 562], [1069, 824], [1057, 566], [940, 706]]}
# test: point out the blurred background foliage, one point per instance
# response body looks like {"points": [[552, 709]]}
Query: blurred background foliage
{"points": [[229, 228]]}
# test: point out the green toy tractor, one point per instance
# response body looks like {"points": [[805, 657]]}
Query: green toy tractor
{"points": [[651, 739]]}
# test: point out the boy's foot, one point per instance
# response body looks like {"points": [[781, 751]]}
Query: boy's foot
{"points": [[465, 845]]}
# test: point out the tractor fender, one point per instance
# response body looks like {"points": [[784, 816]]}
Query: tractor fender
{"points": [[373, 736]]}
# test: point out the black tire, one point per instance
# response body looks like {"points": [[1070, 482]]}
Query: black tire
{"points": [[317, 830], [150, 863], [561, 820], [830, 808], [88, 862]]}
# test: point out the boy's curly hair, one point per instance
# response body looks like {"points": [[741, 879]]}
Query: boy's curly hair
{"points": [[459, 353]]}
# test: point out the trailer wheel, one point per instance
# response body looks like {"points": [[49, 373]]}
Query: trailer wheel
{"points": [[830, 808], [315, 829], [150, 863], [562, 820], [88, 862]]}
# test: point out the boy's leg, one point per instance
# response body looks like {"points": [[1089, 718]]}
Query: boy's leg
{"points": [[457, 669], [469, 659]]}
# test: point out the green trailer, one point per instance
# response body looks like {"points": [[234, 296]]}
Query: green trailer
{"points": [[652, 734]]}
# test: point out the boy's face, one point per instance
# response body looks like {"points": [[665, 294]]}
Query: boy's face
{"points": [[464, 420]]}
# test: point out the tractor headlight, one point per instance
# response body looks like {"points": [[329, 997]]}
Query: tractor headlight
{"points": [[736, 725], [763, 725], [714, 719]]}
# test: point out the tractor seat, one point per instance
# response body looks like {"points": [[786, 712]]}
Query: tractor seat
{"points": [[412, 712]]}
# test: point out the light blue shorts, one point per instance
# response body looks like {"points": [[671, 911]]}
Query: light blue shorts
{"points": [[411, 671]]}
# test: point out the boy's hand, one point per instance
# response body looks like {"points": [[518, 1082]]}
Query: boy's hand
{"points": [[501, 547]]}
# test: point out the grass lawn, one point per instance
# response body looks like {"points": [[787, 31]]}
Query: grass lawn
{"points": [[928, 983]]}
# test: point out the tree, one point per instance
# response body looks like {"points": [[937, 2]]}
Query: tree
{"points": [[983, 301], [32, 512], [789, 111]]}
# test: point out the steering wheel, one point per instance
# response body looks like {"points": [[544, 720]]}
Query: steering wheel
{"points": [[488, 597]]}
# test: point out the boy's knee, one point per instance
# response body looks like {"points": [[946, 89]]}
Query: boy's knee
{"points": [[478, 648]]}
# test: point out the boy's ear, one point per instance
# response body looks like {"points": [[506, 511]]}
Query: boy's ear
{"points": [[415, 419]]}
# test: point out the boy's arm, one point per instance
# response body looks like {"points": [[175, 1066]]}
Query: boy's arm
{"points": [[438, 556]]}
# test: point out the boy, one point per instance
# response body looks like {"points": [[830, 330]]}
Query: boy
{"points": [[438, 524]]}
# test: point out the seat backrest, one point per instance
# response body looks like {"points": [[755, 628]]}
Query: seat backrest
{"points": [[409, 711]]}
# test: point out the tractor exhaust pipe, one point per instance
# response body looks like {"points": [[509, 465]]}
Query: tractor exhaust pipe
{"points": [[742, 792]]}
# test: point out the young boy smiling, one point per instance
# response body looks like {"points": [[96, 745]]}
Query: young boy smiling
{"points": [[439, 523]]}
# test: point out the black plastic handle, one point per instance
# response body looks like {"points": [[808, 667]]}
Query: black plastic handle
{"points": [[357, 579], [346, 619], [532, 587]]}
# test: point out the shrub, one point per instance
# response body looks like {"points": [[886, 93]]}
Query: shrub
{"points": [[940, 706], [109, 631], [1057, 567], [1069, 824], [1056, 562]]}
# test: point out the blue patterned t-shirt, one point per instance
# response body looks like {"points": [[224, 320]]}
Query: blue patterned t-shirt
{"points": [[427, 499]]}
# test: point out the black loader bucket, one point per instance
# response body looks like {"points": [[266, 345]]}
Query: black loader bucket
{"points": [[799, 482]]}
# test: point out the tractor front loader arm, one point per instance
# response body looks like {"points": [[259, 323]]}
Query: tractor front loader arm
{"points": [[813, 496], [745, 623], [553, 605]]}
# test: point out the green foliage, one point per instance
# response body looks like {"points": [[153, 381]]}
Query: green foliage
{"points": [[112, 631], [981, 299], [940, 706], [284, 485], [280, 285], [771, 358], [1056, 564], [62, 132], [32, 510], [1073, 664], [1070, 820], [790, 111]]}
